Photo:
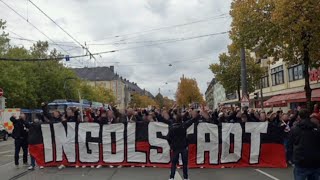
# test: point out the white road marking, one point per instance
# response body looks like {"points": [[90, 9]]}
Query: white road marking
{"points": [[5, 152], [266, 174], [6, 143], [178, 176], [6, 164]]}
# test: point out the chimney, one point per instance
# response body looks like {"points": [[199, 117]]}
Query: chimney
{"points": [[112, 68]]}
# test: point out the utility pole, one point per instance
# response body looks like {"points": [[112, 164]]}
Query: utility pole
{"points": [[245, 98], [261, 94], [243, 72]]}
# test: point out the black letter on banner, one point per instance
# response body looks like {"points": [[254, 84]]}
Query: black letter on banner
{"points": [[255, 128], [108, 156], [132, 155], [236, 130], [156, 157], [212, 146], [64, 141], [88, 147], [47, 143]]}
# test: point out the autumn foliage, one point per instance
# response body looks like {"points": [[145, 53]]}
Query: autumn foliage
{"points": [[188, 92], [141, 101]]}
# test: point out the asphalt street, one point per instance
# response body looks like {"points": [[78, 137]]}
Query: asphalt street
{"points": [[9, 172]]}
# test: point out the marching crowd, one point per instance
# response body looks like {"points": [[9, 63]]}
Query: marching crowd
{"points": [[287, 120]]}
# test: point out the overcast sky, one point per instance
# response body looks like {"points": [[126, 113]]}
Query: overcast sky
{"points": [[147, 33]]}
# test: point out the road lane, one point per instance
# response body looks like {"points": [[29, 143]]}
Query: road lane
{"points": [[147, 174], [9, 172]]}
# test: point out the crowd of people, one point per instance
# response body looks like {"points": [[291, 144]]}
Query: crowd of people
{"points": [[286, 120]]}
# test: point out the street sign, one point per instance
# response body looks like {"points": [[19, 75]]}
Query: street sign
{"points": [[245, 101], [1, 92]]}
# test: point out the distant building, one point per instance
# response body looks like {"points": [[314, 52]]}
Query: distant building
{"points": [[215, 94], [219, 94], [209, 94], [106, 77]]}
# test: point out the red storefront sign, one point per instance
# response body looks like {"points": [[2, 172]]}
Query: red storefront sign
{"points": [[314, 74]]}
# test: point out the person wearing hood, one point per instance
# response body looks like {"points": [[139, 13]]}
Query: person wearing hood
{"points": [[304, 146], [177, 139]]}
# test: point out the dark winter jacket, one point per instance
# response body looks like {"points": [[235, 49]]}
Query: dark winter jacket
{"points": [[20, 128], [177, 136], [72, 119], [304, 144], [34, 133]]}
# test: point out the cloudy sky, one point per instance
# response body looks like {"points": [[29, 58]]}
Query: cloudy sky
{"points": [[147, 34]]}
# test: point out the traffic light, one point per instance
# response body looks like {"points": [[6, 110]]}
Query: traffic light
{"points": [[256, 95]]}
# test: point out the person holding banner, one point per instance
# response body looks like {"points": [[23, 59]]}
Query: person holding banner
{"points": [[177, 138]]}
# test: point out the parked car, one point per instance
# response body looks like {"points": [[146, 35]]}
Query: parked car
{"points": [[3, 133]]}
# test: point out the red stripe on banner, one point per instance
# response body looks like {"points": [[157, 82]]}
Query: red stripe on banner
{"points": [[271, 155]]}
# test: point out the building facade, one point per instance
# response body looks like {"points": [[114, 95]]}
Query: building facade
{"points": [[106, 77], [209, 94], [282, 86], [215, 94], [219, 95]]}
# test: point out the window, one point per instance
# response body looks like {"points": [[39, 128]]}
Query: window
{"points": [[296, 73], [265, 81], [277, 75]]}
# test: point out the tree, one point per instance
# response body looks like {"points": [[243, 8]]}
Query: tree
{"points": [[96, 93], [188, 92], [27, 84], [159, 100], [228, 71], [288, 29], [168, 103], [141, 101]]}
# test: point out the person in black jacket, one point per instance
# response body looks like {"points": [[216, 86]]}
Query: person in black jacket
{"points": [[72, 115], [304, 145], [20, 135], [177, 138], [33, 136]]}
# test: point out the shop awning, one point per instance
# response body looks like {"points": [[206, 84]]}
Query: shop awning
{"points": [[292, 97]]}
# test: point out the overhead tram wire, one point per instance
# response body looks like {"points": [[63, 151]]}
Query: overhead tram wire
{"points": [[196, 59], [154, 41], [31, 40], [34, 26], [224, 15], [116, 50], [84, 47]]}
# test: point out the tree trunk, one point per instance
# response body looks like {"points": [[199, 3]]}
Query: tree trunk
{"points": [[307, 87], [306, 61]]}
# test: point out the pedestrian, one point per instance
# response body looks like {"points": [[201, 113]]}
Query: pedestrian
{"points": [[20, 135], [33, 134], [177, 138], [304, 145], [131, 117], [72, 115]]}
